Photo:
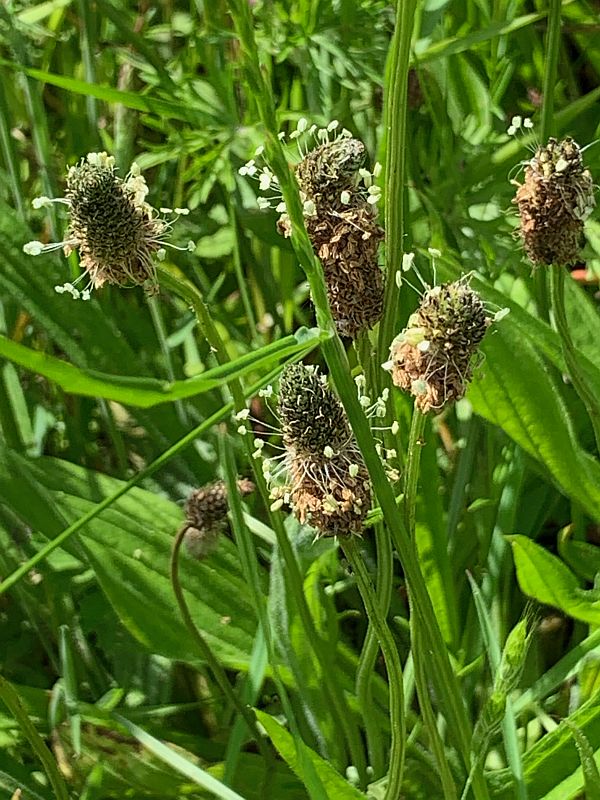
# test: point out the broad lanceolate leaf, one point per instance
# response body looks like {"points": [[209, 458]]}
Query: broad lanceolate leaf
{"points": [[516, 392], [128, 547], [545, 578]]}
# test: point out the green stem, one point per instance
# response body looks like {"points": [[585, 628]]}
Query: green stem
{"points": [[395, 165], [419, 651], [551, 69], [411, 469], [366, 664], [447, 685], [557, 290], [547, 128], [12, 701], [392, 663], [421, 682], [207, 654], [343, 717], [245, 545]]}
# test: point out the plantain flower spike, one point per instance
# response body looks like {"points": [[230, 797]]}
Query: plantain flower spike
{"points": [[432, 357], [206, 516], [328, 485], [554, 200], [117, 233], [339, 199]]}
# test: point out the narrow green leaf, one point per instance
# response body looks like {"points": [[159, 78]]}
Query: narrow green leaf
{"points": [[148, 392], [175, 760], [333, 782], [590, 768], [552, 766], [12, 701]]}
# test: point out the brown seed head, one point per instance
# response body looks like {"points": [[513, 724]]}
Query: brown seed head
{"points": [[432, 357], [206, 516], [344, 233], [554, 200]]}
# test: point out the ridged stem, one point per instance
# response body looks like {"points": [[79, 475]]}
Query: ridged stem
{"points": [[447, 685], [206, 652], [392, 663], [557, 291], [395, 194], [339, 709]]}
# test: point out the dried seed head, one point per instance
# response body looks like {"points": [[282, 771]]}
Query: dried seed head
{"points": [[339, 199], [117, 233], [347, 243], [432, 357], [329, 484], [206, 516], [329, 169], [554, 200], [343, 231]]}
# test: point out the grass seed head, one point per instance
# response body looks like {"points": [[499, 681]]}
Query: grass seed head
{"points": [[554, 200], [432, 357]]}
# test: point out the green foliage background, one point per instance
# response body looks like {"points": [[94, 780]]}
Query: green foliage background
{"points": [[118, 401]]}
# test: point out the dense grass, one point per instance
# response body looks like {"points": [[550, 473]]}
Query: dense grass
{"points": [[449, 652]]}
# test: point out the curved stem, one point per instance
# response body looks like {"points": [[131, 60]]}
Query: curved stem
{"points": [[557, 290], [205, 651], [392, 663], [366, 664], [339, 708]]}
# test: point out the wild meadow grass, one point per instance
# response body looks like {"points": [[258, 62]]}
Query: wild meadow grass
{"points": [[300, 418]]}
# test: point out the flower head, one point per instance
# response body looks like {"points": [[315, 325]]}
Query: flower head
{"points": [[432, 357], [554, 200], [339, 198], [206, 516], [328, 481], [117, 233]]}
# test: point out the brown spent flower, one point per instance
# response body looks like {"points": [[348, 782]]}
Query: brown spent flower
{"points": [[343, 231], [329, 485], [206, 516], [432, 357], [554, 200]]}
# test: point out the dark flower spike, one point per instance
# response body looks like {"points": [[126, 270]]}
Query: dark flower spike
{"points": [[327, 484], [432, 358], [554, 200], [206, 516], [117, 233]]}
